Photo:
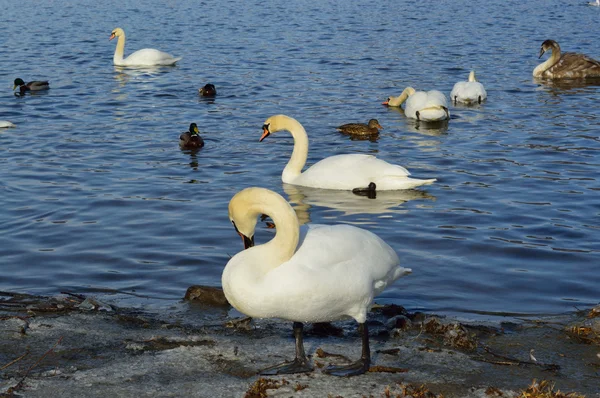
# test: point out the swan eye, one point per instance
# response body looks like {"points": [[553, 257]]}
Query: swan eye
{"points": [[266, 126]]}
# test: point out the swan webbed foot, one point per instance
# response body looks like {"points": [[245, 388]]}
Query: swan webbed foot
{"points": [[298, 365], [370, 191], [455, 97], [354, 369], [479, 99], [418, 115]]}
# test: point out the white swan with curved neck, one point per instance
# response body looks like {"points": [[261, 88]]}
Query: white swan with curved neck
{"points": [[312, 273], [345, 172], [469, 92], [144, 57], [428, 106]]}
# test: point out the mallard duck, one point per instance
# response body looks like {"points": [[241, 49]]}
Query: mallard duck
{"points": [[208, 90], [35, 85], [565, 66], [360, 128], [143, 57], [191, 139]]}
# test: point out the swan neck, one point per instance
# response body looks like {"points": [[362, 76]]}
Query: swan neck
{"points": [[298, 159], [472, 76], [408, 91], [120, 50], [544, 66]]}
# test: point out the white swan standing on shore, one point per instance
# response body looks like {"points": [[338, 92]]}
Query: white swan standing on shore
{"points": [[565, 66], [430, 106], [469, 92], [313, 273], [346, 172], [144, 57]]}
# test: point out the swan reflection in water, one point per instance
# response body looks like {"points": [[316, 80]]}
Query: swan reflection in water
{"points": [[563, 86], [303, 198], [422, 127]]}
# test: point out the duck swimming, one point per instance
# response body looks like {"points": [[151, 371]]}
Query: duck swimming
{"points": [[191, 139], [313, 273], [565, 66], [36, 85], [469, 92], [345, 172], [143, 57], [209, 90], [360, 128], [428, 106]]}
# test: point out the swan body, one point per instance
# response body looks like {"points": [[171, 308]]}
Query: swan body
{"points": [[345, 172], [191, 139], [595, 3], [428, 106], [144, 57], [313, 273], [6, 124], [469, 92], [372, 128], [565, 66]]}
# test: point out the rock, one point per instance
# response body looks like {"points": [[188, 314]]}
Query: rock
{"points": [[208, 295], [399, 322]]}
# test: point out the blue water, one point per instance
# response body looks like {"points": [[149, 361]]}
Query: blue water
{"points": [[96, 196]]}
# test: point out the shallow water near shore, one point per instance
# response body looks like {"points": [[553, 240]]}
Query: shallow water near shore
{"points": [[97, 197]]}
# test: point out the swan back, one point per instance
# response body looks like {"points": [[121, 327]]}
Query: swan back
{"points": [[332, 272], [427, 106], [469, 92]]}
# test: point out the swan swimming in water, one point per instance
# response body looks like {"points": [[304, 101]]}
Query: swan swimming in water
{"points": [[143, 57], [346, 172], [313, 273], [565, 66], [469, 92], [595, 3], [430, 106]]}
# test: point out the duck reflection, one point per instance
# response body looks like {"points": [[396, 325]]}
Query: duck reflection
{"points": [[302, 198]]}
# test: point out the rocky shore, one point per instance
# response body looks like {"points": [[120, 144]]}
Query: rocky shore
{"points": [[75, 346]]}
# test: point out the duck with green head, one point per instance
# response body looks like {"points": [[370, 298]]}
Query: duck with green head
{"points": [[36, 85], [191, 139]]}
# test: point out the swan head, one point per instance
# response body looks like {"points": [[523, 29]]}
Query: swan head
{"points": [[208, 90], [117, 32], [397, 101], [243, 213], [274, 124], [18, 82], [194, 129], [548, 45]]}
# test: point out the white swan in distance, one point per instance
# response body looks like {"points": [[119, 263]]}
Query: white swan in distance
{"points": [[469, 92], [565, 66], [595, 3], [345, 172], [6, 124], [144, 57], [313, 273], [428, 106]]}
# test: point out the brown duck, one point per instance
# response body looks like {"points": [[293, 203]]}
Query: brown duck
{"points": [[360, 128], [191, 139], [565, 66]]}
